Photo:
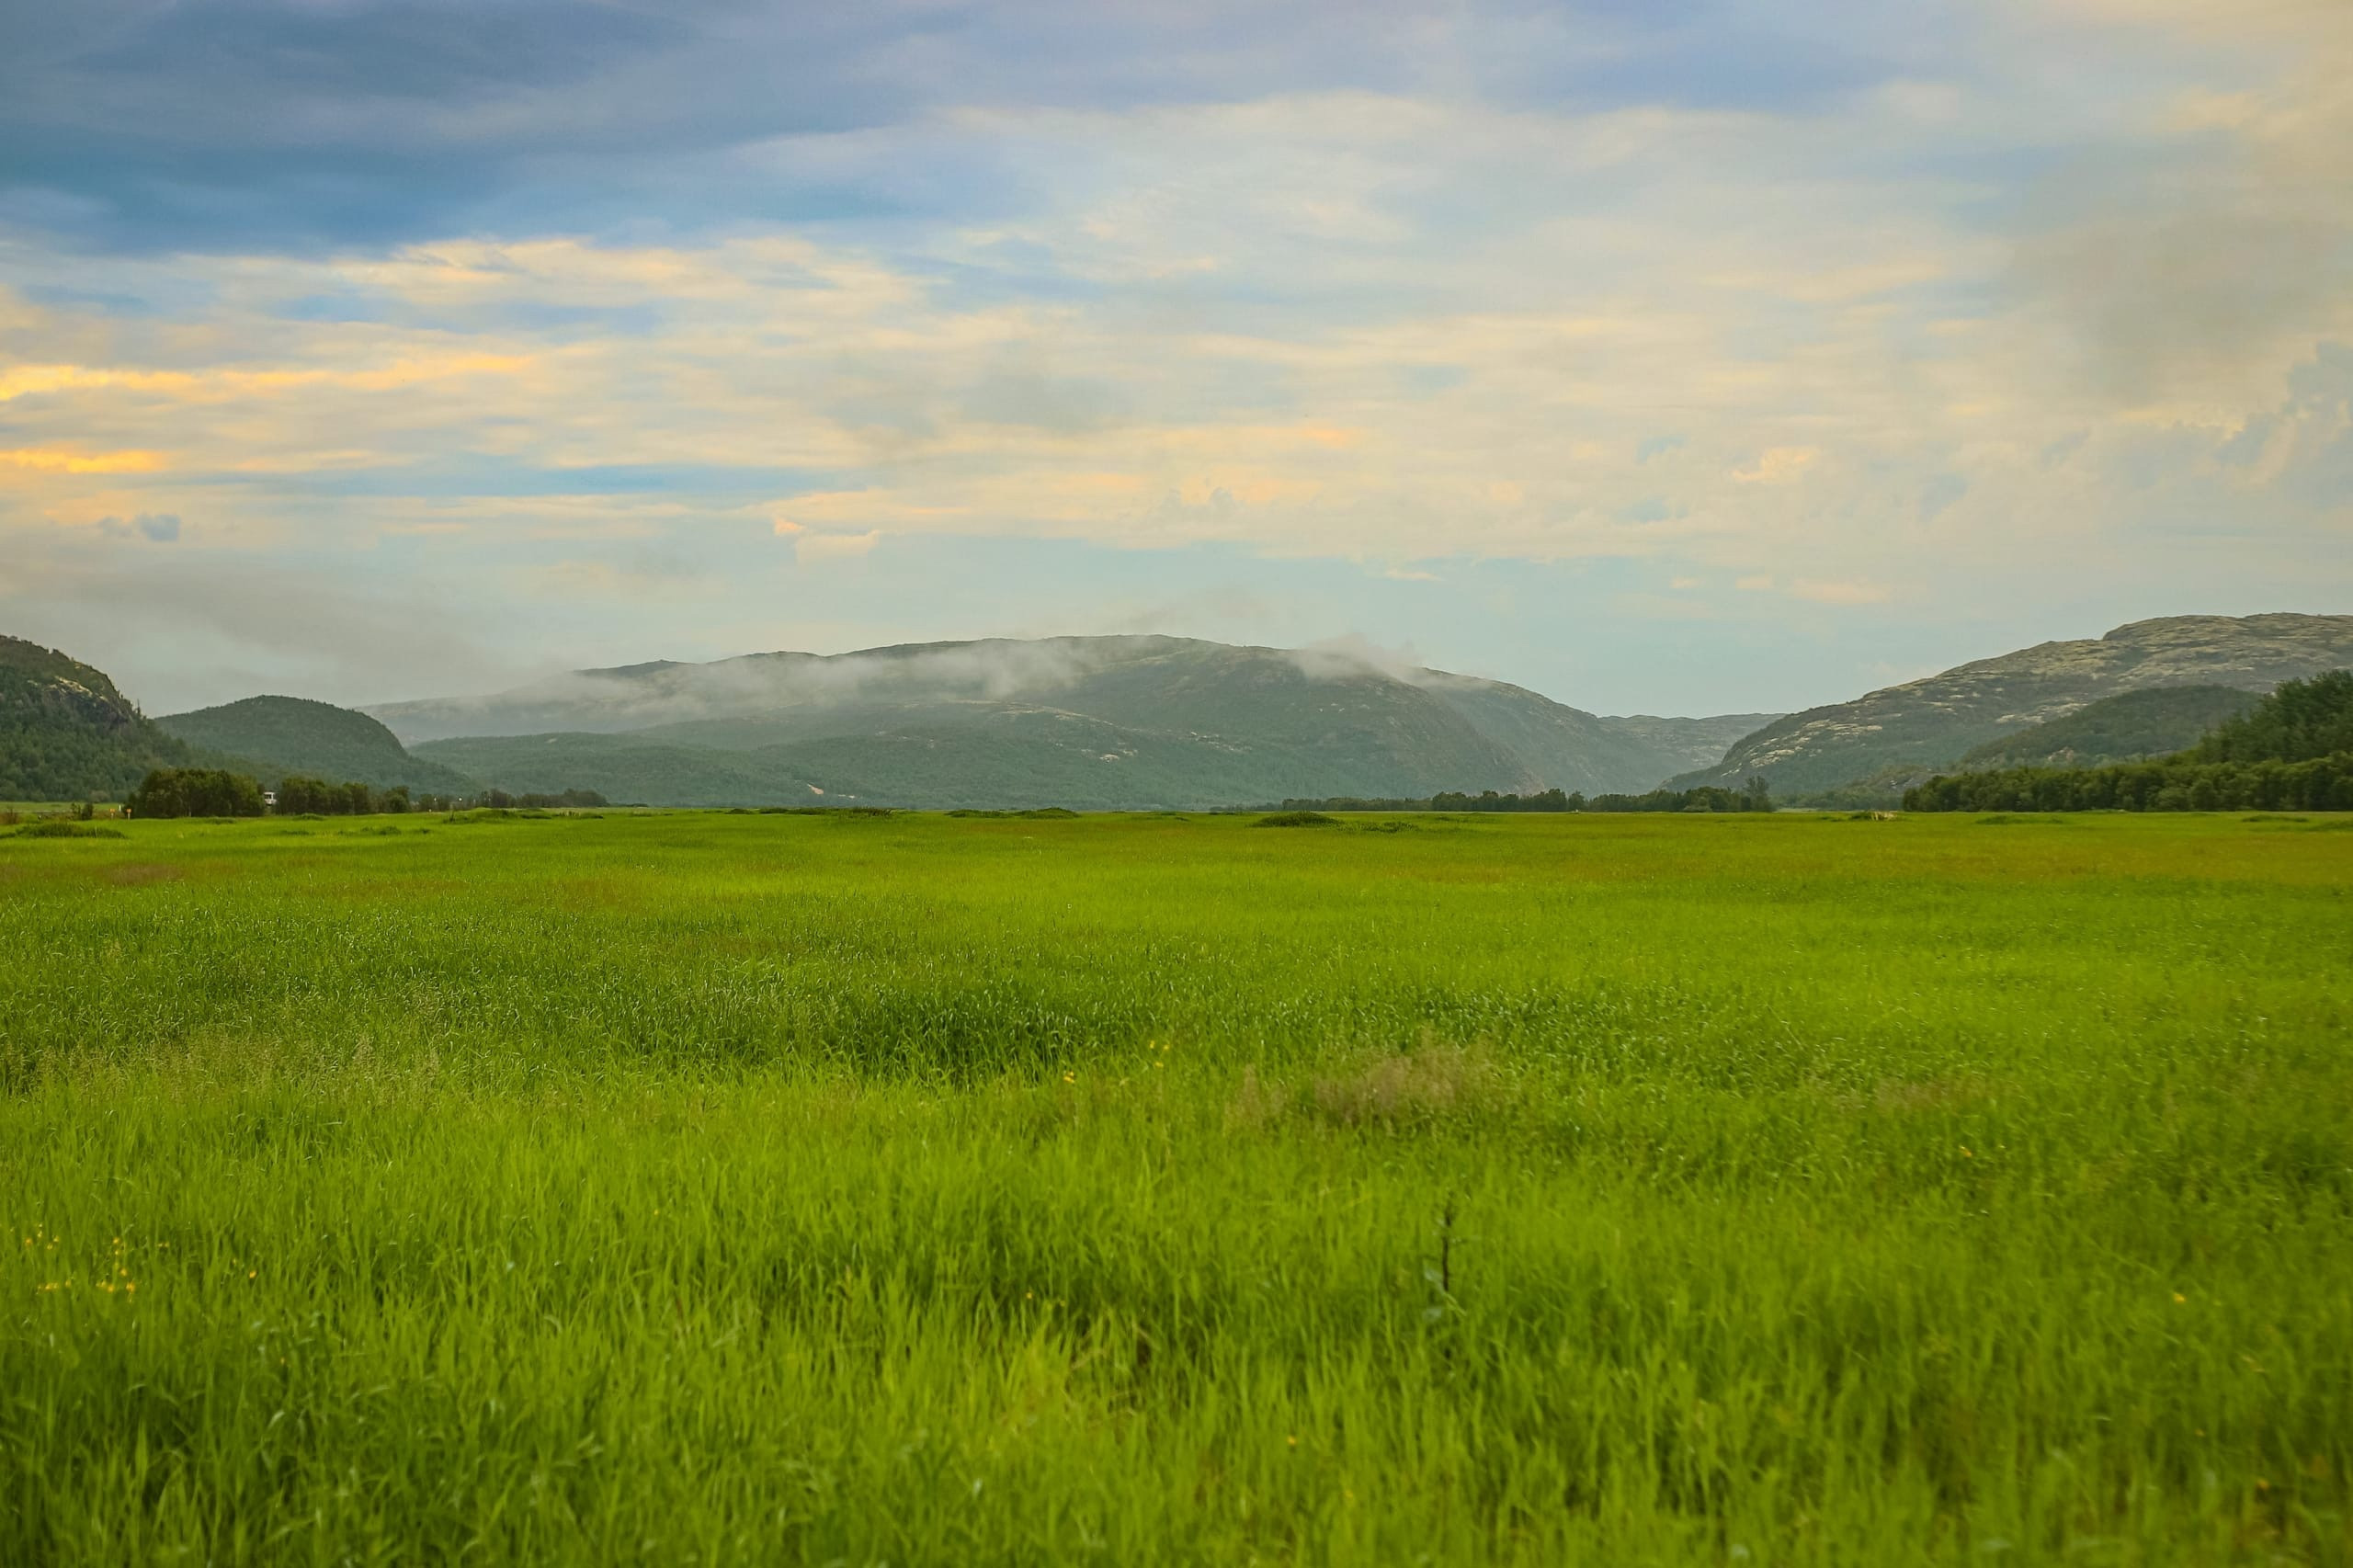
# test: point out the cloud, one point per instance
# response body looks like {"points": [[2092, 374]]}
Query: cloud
{"points": [[1650, 509], [206, 626], [1353, 653], [2308, 449], [1749, 301], [1942, 491], [2194, 256], [1662, 606], [1776, 465], [2066, 447], [59, 459], [638, 574], [812, 548], [1226, 606], [1837, 592], [169, 129], [156, 527]]}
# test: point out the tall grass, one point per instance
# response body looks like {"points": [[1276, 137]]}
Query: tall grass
{"points": [[706, 1188]]}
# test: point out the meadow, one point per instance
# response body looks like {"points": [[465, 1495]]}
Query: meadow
{"points": [[710, 1188]]}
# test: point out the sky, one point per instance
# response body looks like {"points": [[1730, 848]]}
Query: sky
{"points": [[1666, 356]]}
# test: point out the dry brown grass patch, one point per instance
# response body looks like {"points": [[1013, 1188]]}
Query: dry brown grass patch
{"points": [[1255, 1103], [1434, 1081], [1432, 1084]]}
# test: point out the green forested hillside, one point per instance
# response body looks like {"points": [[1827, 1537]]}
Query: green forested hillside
{"points": [[1105, 721], [282, 735], [66, 733], [1568, 748], [622, 769], [2292, 750], [986, 754], [1935, 722], [2303, 720], [2132, 724], [1235, 710]]}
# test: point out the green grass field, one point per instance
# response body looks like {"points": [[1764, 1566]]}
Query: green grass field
{"points": [[709, 1188]]}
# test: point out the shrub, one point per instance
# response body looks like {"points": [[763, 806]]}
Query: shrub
{"points": [[67, 830]]}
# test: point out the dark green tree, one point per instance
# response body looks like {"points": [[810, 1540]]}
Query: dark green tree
{"points": [[2299, 721], [195, 792]]}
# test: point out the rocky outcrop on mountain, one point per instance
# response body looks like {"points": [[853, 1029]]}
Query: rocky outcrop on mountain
{"points": [[1933, 722]]}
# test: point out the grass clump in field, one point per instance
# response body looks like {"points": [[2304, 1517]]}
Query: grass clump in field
{"points": [[693, 1187], [1032, 813], [61, 829], [1426, 1086]]}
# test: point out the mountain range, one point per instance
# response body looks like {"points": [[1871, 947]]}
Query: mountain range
{"points": [[1140, 723], [1091, 723], [1931, 723]]}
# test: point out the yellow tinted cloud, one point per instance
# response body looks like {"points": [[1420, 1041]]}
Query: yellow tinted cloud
{"points": [[26, 380], [834, 547], [1269, 439], [1823, 593], [853, 507], [22, 381], [59, 459], [1776, 465]]}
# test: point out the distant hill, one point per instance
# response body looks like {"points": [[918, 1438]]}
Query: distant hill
{"points": [[66, 733], [1103, 722], [274, 736], [1696, 743], [991, 755], [2154, 721], [1933, 722]]}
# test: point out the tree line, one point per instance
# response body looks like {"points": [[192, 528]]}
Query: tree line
{"points": [[1752, 796], [2293, 751], [194, 792], [218, 792], [2322, 784]]}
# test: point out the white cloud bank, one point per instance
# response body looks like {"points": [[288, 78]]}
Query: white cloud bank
{"points": [[2060, 316]]}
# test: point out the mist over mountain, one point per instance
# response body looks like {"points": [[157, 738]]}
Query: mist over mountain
{"points": [[1931, 723], [1083, 722], [1145, 723]]}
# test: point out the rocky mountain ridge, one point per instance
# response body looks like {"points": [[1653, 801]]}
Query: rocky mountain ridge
{"points": [[1932, 722]]}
